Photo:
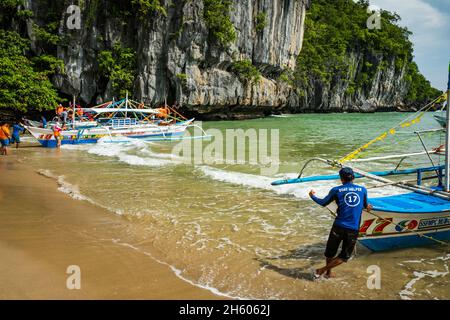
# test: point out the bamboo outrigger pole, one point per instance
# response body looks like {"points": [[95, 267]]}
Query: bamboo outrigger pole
{"points": [[447, 137], [126, 105], [73, 111]]}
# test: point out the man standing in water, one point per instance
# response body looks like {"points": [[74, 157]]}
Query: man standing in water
{"points": [[4, 138], [15, 137], [350, 199]]}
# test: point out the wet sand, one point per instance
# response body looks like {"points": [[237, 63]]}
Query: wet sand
{"points": [[43, 231]]}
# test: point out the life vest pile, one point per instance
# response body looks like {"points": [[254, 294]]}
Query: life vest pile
{"points": [[163, 113]]}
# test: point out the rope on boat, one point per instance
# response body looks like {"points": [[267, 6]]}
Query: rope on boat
{"points": [[411, 120], [394, 156], [403, 229], [411, 231]]}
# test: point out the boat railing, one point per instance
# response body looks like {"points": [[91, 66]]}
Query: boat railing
{"points": [[123, 122]]}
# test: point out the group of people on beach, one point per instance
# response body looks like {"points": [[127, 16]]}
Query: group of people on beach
{"points": [[9, 138]]}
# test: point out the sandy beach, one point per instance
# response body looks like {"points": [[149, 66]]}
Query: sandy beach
{"points": [[43, 231]]}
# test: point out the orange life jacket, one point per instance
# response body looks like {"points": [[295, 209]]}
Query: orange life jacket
{"points": [[163, 113], [4, 132]]}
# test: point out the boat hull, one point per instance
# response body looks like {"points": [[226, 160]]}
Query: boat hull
{"points": [[405, 241], [93, 135], [405, 221], [381, 230]]}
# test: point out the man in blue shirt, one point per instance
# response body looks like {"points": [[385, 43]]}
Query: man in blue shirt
{"points": [[44, 122], [15, 137], [351, 199]]}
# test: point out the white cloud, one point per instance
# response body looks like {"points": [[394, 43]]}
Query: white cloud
{"points": [[431, 35]]}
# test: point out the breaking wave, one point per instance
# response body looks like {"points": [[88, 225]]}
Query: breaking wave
{"points": [[133, 152], [72, 190], [299, 191], [64, 186]]}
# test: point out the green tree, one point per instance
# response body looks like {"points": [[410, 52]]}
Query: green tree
{"points": [[146, 7], [261, 21], [246, 71], [334, 30], [119, 66], [12, 9], [23, 85], [217, 17]]}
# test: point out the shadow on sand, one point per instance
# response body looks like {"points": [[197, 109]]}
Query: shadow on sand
{"points": [[309, 256]]}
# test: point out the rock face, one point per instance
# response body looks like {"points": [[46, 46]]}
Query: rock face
{"points": [[178, 60], [181, 44], [386, 91]]}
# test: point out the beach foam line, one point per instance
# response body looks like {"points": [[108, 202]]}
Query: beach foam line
{"points": [[129, 152], [122, 151], [73, 190], [64, 186], [408, 290], [299, 191], [179, 274]]}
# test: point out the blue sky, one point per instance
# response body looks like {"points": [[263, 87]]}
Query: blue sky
{"points": [[429, 20]]}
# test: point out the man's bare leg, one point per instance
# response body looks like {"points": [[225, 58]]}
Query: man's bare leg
{"points": [[329, 273], [332, 263]]}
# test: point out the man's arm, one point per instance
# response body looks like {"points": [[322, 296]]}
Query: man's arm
{"points": [[325, 201], [367, 205]]}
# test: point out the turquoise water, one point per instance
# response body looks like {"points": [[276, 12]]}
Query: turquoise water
{"points": [[225, 228]]}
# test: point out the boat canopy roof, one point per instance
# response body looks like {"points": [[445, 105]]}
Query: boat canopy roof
{"points": [[111, 110], [410, 203]]}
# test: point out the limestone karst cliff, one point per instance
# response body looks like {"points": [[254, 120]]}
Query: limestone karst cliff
{"points": [[218, 58]]}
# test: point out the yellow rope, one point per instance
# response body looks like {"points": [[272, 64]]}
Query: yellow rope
{"points": [[409, 121]]}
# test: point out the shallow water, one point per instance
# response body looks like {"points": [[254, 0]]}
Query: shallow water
{"points": [[225, 228]]}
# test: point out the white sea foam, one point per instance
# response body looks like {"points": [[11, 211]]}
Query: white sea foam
{"points": [[73, 191], [179, 274], [75, 146], [121, 151], [65, 187], [130, 151], [409, 291], [299, 191]]}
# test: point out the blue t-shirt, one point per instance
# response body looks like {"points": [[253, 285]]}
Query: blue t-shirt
{"points": [[17, 129], [350, 199]]}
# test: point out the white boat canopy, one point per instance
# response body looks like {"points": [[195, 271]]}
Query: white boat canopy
{"points": [[110, 110]]}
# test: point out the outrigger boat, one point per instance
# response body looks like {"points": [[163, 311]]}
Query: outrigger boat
{"points": [[419, 217], [118, 121]]}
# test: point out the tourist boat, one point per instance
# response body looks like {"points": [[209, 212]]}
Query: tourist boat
{"points": [[116, 122], [418, 217]]}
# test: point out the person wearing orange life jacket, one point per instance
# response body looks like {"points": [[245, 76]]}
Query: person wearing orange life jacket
{"points": [[80, 111], [4, 138], [61, 112], [163, 112], [57, 134]]}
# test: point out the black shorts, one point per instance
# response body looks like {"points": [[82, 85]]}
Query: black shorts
{"points": [[337, 235]]}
